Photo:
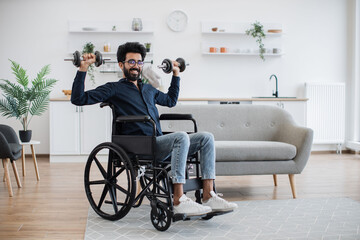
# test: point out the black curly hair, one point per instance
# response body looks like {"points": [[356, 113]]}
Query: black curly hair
{"points": [[133, 47]]}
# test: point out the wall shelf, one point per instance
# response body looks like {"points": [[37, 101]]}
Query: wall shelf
{"points": [[239, 33], [245, 54], [107, 26], [101, 33], [114, 32], [233, 37]]}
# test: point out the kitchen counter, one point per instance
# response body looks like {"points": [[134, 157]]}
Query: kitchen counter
{"points": [[220, 99], [245, 99]]}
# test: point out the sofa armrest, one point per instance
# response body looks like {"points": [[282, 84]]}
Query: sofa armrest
{"points": [[301, 138]]}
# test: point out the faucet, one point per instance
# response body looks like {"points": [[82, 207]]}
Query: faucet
{"points": [[276, 94]]}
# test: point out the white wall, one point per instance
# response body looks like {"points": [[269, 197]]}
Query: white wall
{"points": [[35, 33]]}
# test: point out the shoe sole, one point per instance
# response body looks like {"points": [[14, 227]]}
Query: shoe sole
{"points": [[223, 209], [196, 214]]}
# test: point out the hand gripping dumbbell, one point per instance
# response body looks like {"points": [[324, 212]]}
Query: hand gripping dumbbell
{"points": [[167, 65], [77, 58]]}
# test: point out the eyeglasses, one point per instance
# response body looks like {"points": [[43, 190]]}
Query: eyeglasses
{"points": [[132, 62]]}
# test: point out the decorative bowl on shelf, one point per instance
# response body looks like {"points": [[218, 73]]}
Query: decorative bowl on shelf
{"points": [[67, 93], [88, 29]]}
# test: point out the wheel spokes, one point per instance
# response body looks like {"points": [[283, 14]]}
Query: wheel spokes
{"points": [[113, 198], [117, 173], [96, 182], [121, 189], [102, 170], [103, 195]]}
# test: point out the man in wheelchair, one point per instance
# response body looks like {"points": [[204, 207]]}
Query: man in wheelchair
{"points": [[129, 96]]}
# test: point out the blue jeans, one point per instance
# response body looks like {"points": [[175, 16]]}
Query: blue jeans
{"points": [[179, 145]]}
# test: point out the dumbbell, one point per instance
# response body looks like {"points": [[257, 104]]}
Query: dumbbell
{"points": [[167, 65], [77, 58]]}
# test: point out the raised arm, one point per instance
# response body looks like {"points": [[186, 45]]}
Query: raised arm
{"points": [[79, 97], [170, 98]]}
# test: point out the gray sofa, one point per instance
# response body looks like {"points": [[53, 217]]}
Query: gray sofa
{"points": [[250, 139]]}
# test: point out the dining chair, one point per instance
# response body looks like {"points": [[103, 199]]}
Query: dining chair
{"points": [[10, 151]]}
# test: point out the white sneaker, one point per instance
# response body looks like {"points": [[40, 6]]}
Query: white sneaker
{"points": [[190, 208], [218, 204]]}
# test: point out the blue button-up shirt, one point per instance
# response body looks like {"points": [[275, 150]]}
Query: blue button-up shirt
{"points": [[128, 100]]}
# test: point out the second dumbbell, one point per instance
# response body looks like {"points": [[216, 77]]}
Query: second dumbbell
{"points": [[167, 65], [77, 58]]}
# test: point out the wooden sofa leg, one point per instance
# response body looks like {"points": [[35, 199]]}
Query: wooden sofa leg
{"points": [[16, 174], [292, 184], [275, 179], [7, 176]]}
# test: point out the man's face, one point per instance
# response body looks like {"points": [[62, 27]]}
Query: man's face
{"points": [[131, 67]]}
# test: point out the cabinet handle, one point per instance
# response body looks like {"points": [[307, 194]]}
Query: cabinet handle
{"points": [[76, 109], [81, 109]]}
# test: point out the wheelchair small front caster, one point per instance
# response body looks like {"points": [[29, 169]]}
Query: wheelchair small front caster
{"points": [[160, 215]]}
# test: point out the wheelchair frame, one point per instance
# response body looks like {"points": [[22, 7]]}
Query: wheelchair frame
{"points": [[132, 157]]}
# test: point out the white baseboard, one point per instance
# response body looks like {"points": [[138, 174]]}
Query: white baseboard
{"points": [[326, 147], [73, 158]]}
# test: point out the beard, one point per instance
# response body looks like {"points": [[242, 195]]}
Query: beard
{"points": [[132, 76]]}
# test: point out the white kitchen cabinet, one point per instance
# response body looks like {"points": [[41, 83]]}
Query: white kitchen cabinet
{"points": [[77, 130], [297, 109]]}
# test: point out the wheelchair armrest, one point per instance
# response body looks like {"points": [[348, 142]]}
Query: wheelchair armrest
{"points": [[133, 118], [104, 104], [176, 116]]}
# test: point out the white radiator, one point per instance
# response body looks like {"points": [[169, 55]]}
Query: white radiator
{"points": [[326, 112]]}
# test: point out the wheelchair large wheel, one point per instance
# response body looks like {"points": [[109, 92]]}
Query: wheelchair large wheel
{"points": [[110, 182]]}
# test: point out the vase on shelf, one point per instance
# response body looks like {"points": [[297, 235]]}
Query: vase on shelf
{"points": [[136, 24]]}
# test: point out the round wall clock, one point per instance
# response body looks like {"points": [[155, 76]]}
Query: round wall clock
{"points": [[177, 20]]}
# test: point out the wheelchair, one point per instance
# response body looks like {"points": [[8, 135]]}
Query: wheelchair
{"points": [[119, 174]]}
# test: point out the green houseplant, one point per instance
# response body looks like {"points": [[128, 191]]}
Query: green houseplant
{"points": [[257, 32], [22, 101], [89, 48]]}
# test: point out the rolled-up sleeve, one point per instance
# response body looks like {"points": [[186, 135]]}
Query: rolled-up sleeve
{"points": [[170, 98]]}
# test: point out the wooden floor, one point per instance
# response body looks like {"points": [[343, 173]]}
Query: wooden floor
{"points": [[56, 207]]}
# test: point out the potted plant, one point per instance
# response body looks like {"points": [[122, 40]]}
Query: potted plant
{"points": [[257, 32], [89, 48], [147, 46], [22, 101]]}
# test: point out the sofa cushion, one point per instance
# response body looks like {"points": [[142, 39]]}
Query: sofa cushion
{"points": [[253, 151]]}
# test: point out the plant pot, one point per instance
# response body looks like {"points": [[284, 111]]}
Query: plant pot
{"points": [[25, 136]]}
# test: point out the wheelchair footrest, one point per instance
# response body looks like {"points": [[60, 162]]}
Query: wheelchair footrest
{"points": [[184, 217], [218, 213]]}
